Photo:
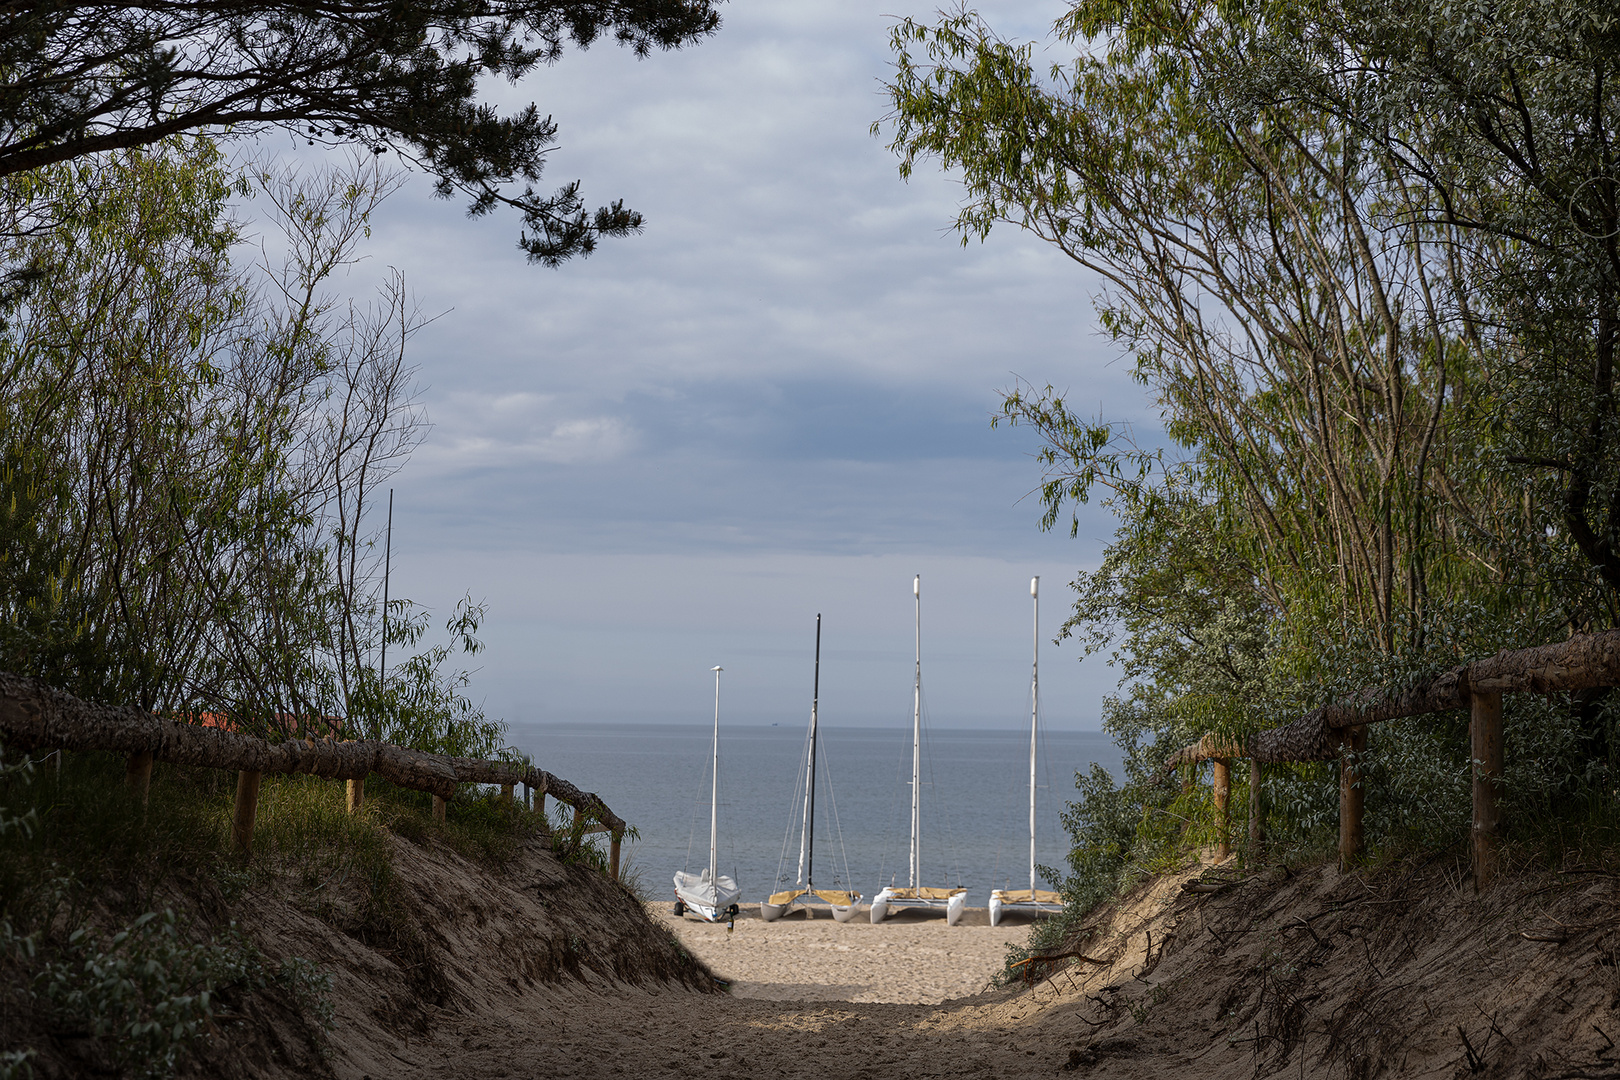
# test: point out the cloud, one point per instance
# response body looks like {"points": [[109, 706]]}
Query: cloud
{"points": [[484, 431], [791, 371]]}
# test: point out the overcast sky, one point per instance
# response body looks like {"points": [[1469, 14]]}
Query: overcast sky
{"points": [[775, 402]]}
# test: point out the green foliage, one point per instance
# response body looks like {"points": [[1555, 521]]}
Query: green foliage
{"points": [[191, 452], [311, 987], [1362, 260], [421, 704], [144, 993], [148, 991]]}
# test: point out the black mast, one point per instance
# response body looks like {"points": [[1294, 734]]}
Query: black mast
{"points": [[810, 812]]}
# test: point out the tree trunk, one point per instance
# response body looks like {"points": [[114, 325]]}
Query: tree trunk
{"points": [[246, 810], [1352, 798], [138, 775], [1221, 783]]}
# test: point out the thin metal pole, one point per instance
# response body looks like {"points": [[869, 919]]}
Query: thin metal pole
{"points": [[807, 828], [1034, 720], [714, 786], [916, 743], [810, 795], [388, 566]]}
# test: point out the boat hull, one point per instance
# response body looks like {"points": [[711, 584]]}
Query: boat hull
{"points": [[1037, 903], [809, 901], [711, 901], [953, 901]]}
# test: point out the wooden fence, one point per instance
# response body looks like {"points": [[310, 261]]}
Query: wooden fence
{"points": [[35, 716], [1339, 731]]}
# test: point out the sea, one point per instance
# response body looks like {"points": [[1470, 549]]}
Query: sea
{"points": [[974, 800]]}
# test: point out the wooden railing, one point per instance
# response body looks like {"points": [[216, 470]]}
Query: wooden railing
{"points": [[1340, 731], [36, 716]]}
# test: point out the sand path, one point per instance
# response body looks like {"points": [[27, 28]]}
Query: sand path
{"points": [[912, 958], [812, 1000]]}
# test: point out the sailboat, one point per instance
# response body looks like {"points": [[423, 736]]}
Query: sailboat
{"points": [[1031, 899], [709, 894], [954, 901], [804, 892]]}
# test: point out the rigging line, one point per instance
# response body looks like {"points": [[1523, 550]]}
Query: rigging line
{"points": [[954, 862], [725, 816], [691, 835], [793, 804], [838, 827], [900, 783]]}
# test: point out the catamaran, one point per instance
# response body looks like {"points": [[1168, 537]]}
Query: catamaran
{"points": [[1031, 899], [953, 900], [709, 894], [804, 892]]}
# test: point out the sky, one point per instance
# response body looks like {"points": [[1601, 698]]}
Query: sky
{"points": [[773, 403]]}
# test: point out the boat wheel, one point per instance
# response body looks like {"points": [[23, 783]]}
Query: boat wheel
{"points": [[680, 909]]}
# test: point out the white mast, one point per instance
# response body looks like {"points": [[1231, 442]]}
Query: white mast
{"points": [[916, 742], [1034, 719], [714, 789]]}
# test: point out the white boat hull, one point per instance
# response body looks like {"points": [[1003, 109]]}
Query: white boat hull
{"points": [[1000, 905], [954, 904], [770, 912], [710, 900]]}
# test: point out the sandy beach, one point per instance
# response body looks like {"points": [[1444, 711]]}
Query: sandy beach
{"points": [[911, 958]]}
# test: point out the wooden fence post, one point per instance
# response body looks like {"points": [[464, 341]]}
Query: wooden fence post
{"points": [[1257, 812], [1485, 739], [138, 775], [1221, 782], [1352, 796], [356, 794], [247, 808], [613, 855], [439, 808]]}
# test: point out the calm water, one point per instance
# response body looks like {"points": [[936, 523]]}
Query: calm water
{"points": [[975, 800]]}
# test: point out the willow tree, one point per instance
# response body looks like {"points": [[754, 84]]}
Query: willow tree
{"points": [[1362, 259], [1503, 120], [192, 447], [1310, 333]]}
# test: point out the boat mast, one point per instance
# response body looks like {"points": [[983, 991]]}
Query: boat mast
{"points": [[810, 800], [1034, 719], [714, 789], [807, 832], [916, 740]]}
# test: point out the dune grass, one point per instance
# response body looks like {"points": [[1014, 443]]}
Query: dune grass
{"points": [[85, 839]]}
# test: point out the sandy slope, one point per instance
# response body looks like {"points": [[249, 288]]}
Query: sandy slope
{"points": [[1402, 973], [549, 971]]}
